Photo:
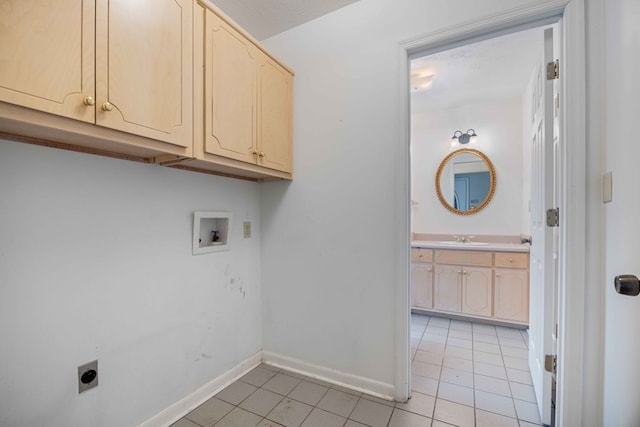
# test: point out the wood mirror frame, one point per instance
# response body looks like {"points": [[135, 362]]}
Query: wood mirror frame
{"points": [[492, 181]]}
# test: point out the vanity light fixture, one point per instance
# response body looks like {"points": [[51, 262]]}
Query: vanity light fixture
{"points": [[463, 138]]}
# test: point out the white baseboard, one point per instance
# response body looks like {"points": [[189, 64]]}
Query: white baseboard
{"points": [[353, 382], [182, 407]]}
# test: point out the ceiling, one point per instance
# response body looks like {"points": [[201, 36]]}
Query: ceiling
{"points": [[265, 18], [492, 69]]}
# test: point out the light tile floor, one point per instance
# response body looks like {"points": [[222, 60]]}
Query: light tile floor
{"points": [[463, 374]]}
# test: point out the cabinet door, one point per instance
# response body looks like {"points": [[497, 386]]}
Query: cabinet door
{"points": [[230, 92], [476, 291], [511, 294], [144, 68], [47, 55], [422, 285], [447, 288], [275, 115]]}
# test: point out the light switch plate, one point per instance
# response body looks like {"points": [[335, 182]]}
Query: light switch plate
{"points": [[246, 228], [607, 187]]}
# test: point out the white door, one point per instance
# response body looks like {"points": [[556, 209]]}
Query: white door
{"points": [[542, 291], [622, 227]]}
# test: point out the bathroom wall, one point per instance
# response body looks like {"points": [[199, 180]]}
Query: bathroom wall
{"points": [[96, 263], [499, 128]]}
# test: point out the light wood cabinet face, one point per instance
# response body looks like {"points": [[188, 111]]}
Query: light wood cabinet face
{"points": [[422, 285], [421, 255], [47, 52], [230, 92], [448, 288], [144, 68], [476, 291], [511, 294], [512, 260], [275, 121]]}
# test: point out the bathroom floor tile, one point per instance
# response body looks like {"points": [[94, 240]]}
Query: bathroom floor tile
{"points": [[455, 376], [419, 403], [236, 392], [458, 363], [308, 392], [371, 413], [401, 418], [515, 363], [210, 412], [290, 413], [281, 384], [338, 402], [239, 418], [261, 402], [258, 376], [489, 370], [489, 419], [320, 418], [424, 385], [435, 358], [495, 403], [518, 376], [488, 358], [492, 385], [523, 392], [456, 393], [487, 347], [454, 413], [527, 411], [184, 422], [426, 370]]}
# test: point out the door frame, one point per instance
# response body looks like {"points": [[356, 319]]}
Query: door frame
{"points": [[572, 200]]}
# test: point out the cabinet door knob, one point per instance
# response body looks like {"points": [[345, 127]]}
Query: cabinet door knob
{"points": [[419, 254], [459, 271], [429, 269], [510, 260], [254, 152], [261, 154], [107, 106], [89, 101], [498, 275]]}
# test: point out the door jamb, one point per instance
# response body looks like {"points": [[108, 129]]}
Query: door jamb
{"points": [[572, 251]]}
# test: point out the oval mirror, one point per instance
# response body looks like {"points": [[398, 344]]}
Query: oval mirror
{"points": [[465, 181]]}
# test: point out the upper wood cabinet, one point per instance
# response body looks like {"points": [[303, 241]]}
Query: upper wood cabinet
{"points": [[174, 82], [47, 54], [229, 91], [119, 64], [144, 68], [275, 115], [244, 102]]}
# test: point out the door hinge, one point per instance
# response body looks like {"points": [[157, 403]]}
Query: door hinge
{"points": [[550, 363], [553, 70], [553, 217]]}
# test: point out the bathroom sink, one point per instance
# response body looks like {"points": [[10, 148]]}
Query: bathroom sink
{"points": [[464, 244]]}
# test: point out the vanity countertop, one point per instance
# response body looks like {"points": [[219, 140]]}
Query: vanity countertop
{"points": [[472, 246]]}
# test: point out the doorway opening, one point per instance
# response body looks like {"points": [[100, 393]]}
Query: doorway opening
{"points": [[491, 87]]}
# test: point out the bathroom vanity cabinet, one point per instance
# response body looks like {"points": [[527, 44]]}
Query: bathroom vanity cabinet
{"points": [[471, 283], [422, 278]]}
